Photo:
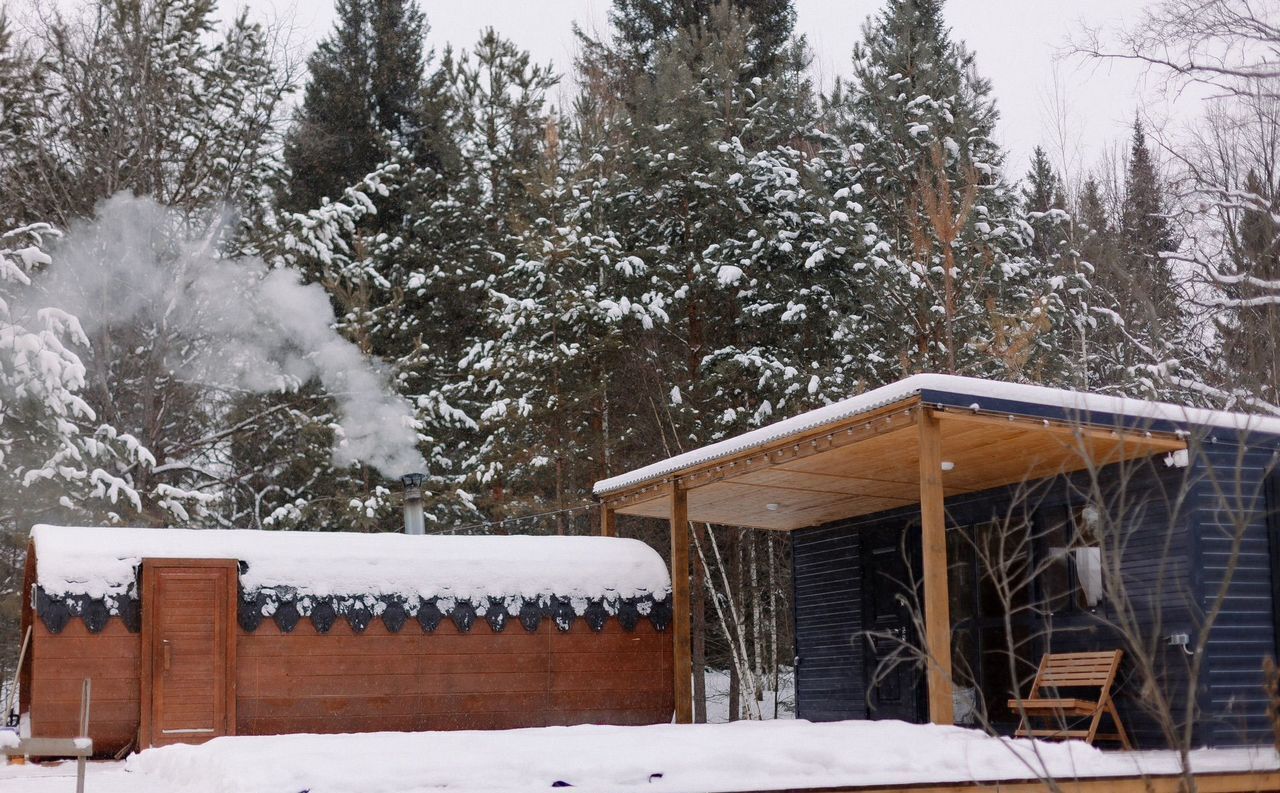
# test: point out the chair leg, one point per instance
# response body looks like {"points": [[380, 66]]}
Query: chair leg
{"points": [[1024, 724], [1115, 717], [1093, 726]]}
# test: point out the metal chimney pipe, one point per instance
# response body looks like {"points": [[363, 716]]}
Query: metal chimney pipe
{"points": [[414, 522]]}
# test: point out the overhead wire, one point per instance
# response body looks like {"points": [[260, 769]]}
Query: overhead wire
{"points": [[517, 519]]}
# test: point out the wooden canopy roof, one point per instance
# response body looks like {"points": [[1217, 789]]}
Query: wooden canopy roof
{"points": [[866, 458]]}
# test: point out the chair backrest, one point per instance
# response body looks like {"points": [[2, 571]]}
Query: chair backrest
{"points": [[1077, 670]]}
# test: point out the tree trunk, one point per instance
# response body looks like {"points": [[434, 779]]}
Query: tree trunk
{"points": [[773, 620], [698, 598], [731, 621], [757, 615], [738, 558], [735, 699]]}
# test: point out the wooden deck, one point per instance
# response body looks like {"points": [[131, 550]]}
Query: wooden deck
{"points": [[1227, 782]]}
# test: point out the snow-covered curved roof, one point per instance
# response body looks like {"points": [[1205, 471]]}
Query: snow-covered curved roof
{"points": [[970, 387], [102, 562]]}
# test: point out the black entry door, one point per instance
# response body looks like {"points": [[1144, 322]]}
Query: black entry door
{"points": [[895, 682]]}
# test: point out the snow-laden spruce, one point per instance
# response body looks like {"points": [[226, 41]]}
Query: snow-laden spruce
{"points": [[103, 563], [52, 446]]}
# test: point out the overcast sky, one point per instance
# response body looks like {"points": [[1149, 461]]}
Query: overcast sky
{"points": [[1019, 46]]}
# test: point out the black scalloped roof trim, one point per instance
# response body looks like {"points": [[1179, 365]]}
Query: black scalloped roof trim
{"points": [[55, 613], [287, 609]]}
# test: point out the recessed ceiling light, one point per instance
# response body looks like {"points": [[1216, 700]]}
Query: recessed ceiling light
{"points": [[771, 507], [947, 465]]}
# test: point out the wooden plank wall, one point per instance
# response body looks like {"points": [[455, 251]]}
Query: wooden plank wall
{"points": [[60, 663], [341, 681]]}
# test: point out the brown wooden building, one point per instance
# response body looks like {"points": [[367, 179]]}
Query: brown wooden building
{"points": [[189, 635]]}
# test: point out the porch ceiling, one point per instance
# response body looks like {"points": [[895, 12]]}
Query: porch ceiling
{"points": [[871, 462]]}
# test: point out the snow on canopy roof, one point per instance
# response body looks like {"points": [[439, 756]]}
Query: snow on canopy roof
{"points": [[102, 562], [974, 387]]}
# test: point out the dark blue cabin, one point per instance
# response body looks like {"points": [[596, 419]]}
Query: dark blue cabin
{"points": [[947, 532], [1199, 548]]}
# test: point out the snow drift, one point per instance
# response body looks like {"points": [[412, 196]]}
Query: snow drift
{"points": [[102, 563], [770, 755]]}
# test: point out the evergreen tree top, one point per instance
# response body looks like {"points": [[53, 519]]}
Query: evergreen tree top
{"points": [[1145, 227], [1042, 190], [911, 81], [364, 98], [643, 26]]}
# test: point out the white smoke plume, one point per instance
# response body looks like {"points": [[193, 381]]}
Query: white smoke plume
{"points": [[234, 323]]}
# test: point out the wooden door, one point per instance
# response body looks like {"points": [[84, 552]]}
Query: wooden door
{"points": [[894, 679], [188, 650]]}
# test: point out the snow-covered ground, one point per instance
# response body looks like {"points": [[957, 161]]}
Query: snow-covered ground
{"points": [[666, 758], [784, 697]]}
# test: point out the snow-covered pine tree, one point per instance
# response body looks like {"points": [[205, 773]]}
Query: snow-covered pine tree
{"points": [[58, 462], [373, 175], [368, 103], [1054, 247], [281, 473], [565, 316], [1148, 297], [50, 452], [949, 284], [472, 223], [643, 27], [1045, 204], [1248, 317], [738, 231], [737, 204], [362, 105], [21, 103], [1139, 331], [1094, 234], [147, 96]]}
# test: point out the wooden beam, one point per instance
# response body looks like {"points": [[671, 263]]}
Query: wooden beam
{"points": [[835, 435], [1156, 441], [608, 521], [681, 622], [937, 610], [629, 498], [1222, 782]]}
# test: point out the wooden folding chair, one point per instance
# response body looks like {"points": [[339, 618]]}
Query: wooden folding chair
{"points": [[1072, 671]]}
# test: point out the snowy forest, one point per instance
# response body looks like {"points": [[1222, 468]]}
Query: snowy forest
{"points": [[240, 289]]}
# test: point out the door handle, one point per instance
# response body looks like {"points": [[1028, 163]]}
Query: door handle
{"points": [[166, 653]]}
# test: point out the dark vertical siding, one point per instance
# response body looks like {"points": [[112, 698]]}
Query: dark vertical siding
{"points": [[1235, 565], [828, 630], [1151, 501], [830, 680]]}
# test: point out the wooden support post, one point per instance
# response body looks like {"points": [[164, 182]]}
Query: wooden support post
{"points": [[85, 693], [608, 518], [680, 622], [937, 610]]}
